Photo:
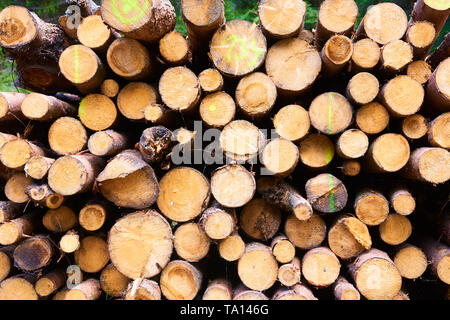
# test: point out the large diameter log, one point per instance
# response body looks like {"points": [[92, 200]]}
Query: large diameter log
{"points": [[410, 261], [86, 290], [335, 54], [20, 287], [34, 253], [146, 20], [326, 193], [439, 131], [280, 19], [14, 154], [180, 280], [257, 268], [259, 219], [97, 112], [112, 282], [375, 275], [132, 108], [50, 283], [10, 103], [306, 234], [429, 165], [140, 244], [320, 267], [238, 48], [383, 23], [146, 290], [293, 64], [438, 92], [184, 194], [74, 174], [420, 36], [366, 55], [408, 102], [191, 242], [439, 256], [335, 17], [344, 290], [217, 109], [292, 122], [16, 186], [67, 136], [388, 153], [371, 207], [36, 46], [372, 118], [284, 196], [13, 231], [219, 289], [202, 19]]}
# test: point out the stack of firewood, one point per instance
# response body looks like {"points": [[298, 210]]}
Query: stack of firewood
{"points": [[243, 161]]}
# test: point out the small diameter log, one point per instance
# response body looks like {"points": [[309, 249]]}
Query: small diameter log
{"points": [[335, 54], [371, 207], [20, 287], [330, 113], [82, 67], [74, 174], [435, 12], [344, 290], [174, 48], [372, 118], [156, 144], [429, 165], [97, 112], [210, 80], [15, 188], [257, 268], [184, 194], [439, 256], [414, 126], [335, 17], [219, 289], [362, 88], [130, 59], [40, 107], [9, 211], [439, 131], [148, 21], [86, 290], [10, 103], [388, 153], [280, 19], [320, 267], [50, 283], [375, 275], [140, 244], [112, 282], [123, 176], [179, 89], [110, 88], [256, 95], [420, 71], [297, 292], [233, 186], [59, 220], [282, 249], [350, 168], [92, 256], [243, 293], [94, 33], [202, 19], [191, 242], [259, 219], [131, 107], [13, 231], [383, 23], [441, 53], [70, 242], [14, 154], [420, 36], [349, 237], [289, 274], [107, 143], [37, 167], [33, 253], [438, 92], [94, 214], [145, 290], [180, 280], [366, 55], [44, 196], [292, 122], [159, 114], [307, 36], [395, 56], [352, 144], [241, 140], [217, 109], [67, 136], [306, 234], [280, 157], [284, 196], [286, 66], [231, 248], [396, 229], [402, 201], [238, 48], [218, 222], [326, 193], [405, 104], [410, 261]]}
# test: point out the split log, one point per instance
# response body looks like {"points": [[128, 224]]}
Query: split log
{"points": [[107, 143], [145, 20], [439, 256], [320, 267], [191, 242], [414, 126], [97, 112], [372, 118], [180, 280], [211, 80], [289, 274], [146, 290], [429, 165], [218, 290], [94, 33], [371, 207], [67, 136], [9, 210], [395, 56], [280, 157], [352, 144], [231, 248], [420, 71], [396, 229], [44, 196], [123, 175], [218, 222], [366, 55], [344, 290], [335, 54], [10, 103], [316, 151], [282, 249], [259, 219], [33, 253], [37, 167], [439, 131], [132, 108], [13, 231], [306, 234], [70, 242], [292, 122], [326, 193], [217, 109], [402, 201], [110, 88], [15, 187], [362, 88], [438, 95], [20, 287], [383, 157], [15, 153], [59, 220], [410, 261], [174, 49], [113, 283], [50, 283], [421, 36], [86, 290]]}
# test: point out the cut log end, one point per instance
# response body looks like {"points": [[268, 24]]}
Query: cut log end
{"points": [[366, 54], [292, 122], [352, 144], [316, 150], [67, 136], [134, 98], [306, 234], [97, 112], [420, 71], [94, 33], [259, 219], [232, 248], [110, 88], [363, 88], [280, 157], [37, 167], [92, 256], [59, 220], [372, 118], [320, 267], [429, 164], [180, 280], [371, 207], [439, 131], [326, 193], [411, 262], [211, 80], [217, 109], [15, 153], [191, 242], [395, 55], [174, 48], [70, 242], [403, 202], [396, 229], [18, 27], [112, 282], [407, 103], [17, 288], [92, 217], [389, 152]]}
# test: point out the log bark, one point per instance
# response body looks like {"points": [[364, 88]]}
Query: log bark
{"points": [[438, 254], [439, 131], [146, 290], [438, 95], [429, 165], [441, 53], [9, 211], [50, 283], [110, 88], [13, 231], [94, 214], [86, 290], [344, 290], [10, 103]]}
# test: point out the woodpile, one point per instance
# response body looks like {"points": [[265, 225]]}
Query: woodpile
{"points": [[241, 162]]}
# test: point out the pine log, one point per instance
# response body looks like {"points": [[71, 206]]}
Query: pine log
{"points": [[107, 143], [13, 231], [243, 293], [191, 242], [159, 114], [289, 274], [383, 157], [67, 136], [320, 267], [396, 229], [306, 234], [180, 280], [280, 157], [50, 283], [231, 248], [92, 255], [59, 220], [335, 54], [350, 168], [37, 167], [110, 88], [438, 94], [414, 126], [282, 249], [439, 131], [94, 214], [97, 112], [94, 33], [70, 242], [371, 207], [441, 53], [362, 88], [6, 261], [219, 289], [33, 253], [15, 187], [297, 292], [211, 80], [429, 165], [146, 290], [132, 108], [156, 144], [372, 118], [86, 290], [439, 256], [14, 154], [366, 55], [20, 287], [395, 56], [10, 103], [352, 144], [113, 283], [174, 49], [217, 109], [259, 219], [421, 36], [420, 71], [218, 222], [292, 122], [402, 201], [326, 193], [410, 261], [42, 195], [9, 211], [344, 290]]}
